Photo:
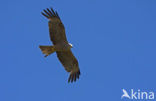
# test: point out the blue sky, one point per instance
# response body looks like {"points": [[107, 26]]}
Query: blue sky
{"points": [[114, 42]]}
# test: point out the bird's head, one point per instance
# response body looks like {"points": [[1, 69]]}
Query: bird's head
{"points": [[70, 45]]}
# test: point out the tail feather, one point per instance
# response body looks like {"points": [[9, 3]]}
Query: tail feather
{"points": [[47, 50]]}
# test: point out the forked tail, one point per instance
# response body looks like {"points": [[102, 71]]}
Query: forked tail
{"points": [[47, 50]]}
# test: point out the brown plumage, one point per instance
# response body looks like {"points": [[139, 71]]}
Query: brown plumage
{"points": [[60, 45]]}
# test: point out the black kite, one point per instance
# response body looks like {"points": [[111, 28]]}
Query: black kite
{"points": [[60, 45]]}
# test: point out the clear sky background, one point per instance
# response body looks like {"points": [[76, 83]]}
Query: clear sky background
{"points": [[114, 42]]}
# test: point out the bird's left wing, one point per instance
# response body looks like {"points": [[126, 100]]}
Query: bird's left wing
{"points": [[70, 64]]}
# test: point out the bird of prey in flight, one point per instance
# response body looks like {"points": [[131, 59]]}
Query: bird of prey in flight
{"points": [[60, 45]]}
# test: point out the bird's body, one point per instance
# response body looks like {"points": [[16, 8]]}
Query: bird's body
{"points": [[60, 45]]}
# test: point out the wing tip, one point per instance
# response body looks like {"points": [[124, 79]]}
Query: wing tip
{"points": [[74, 76], [49, 13]]}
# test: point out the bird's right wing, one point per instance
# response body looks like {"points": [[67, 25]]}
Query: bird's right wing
{"points": [[56, 28]]}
